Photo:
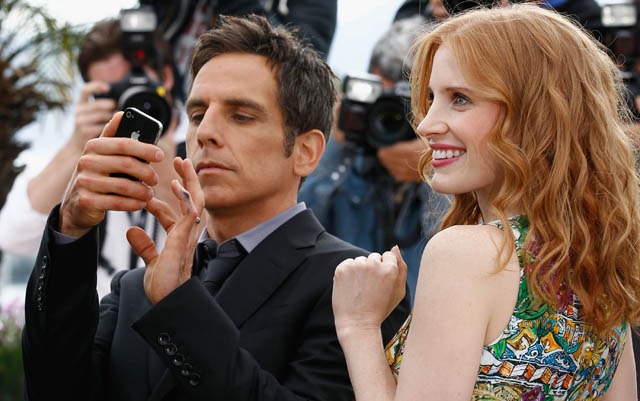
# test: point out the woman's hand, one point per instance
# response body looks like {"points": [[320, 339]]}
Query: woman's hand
{"points": [[366, 290]]}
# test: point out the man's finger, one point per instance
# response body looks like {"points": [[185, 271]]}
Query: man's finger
{"points": [[142, 245], [163, 212], [111, 127], [187, 173], [184, 198]]}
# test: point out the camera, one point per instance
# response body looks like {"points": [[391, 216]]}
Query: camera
{"points": [[137, 89], [372, 117]]}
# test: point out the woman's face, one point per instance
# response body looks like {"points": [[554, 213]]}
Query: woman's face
{"points": [[457, 126]]}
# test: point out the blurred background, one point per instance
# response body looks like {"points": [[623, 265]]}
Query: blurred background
{"points": [[42, 123], [40, 36], [360, 23]]}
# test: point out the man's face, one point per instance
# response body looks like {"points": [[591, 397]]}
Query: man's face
{"points": [[111, 69], [115, 67], [236, 139]]}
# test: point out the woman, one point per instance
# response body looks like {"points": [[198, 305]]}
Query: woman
{"points": [[530, 289]]}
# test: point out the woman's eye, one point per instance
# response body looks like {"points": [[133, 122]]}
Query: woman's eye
{"points": [[460, 100]]}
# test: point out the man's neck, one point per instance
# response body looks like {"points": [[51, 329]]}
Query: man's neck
{"points": [[225, 224], [253, 236]]}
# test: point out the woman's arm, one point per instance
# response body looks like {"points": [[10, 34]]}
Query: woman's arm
{"points": [[623, 387], [365, 291], [459, 292]]}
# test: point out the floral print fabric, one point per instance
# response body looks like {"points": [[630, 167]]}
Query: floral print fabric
{"points": [[544, 354]]}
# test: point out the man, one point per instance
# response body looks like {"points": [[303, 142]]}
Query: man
{"points": [[37, 190], [259, 106]]}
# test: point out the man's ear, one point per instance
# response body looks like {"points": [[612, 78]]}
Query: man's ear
{"points": [[307, 151], [168, 79]]}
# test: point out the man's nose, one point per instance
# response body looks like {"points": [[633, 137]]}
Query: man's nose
{"points": [[209, 129]]}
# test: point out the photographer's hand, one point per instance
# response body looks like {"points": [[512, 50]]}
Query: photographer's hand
{"points": [[91, 114], [172, 267], [47, 187], [92, 190], [401, 159]]}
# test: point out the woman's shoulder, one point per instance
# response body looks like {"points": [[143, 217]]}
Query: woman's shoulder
{"points": [[466, 238], [467, 247]]}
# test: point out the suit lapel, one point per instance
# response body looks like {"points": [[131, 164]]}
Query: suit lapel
{"points": [[263, 270], [257, 277]]}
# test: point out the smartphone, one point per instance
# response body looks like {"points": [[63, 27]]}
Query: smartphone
{"points": [[138, 126]]}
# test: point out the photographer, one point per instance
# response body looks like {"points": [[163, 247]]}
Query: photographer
{"points": [[371, 194], [103, 66]]}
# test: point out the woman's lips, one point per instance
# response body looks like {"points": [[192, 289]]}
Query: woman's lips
{"points": [[443, 156]]}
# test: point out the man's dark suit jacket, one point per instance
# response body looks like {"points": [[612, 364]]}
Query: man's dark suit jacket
{"points": [[269, 333]]}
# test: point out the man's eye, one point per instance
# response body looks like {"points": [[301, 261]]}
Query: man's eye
{"points": [[243, 118], [195, 118]]}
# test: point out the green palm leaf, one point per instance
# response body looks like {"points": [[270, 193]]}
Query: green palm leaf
{"points": [[37, 58]]}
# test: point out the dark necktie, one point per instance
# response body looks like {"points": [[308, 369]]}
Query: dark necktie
{"points": [[220, 267]]}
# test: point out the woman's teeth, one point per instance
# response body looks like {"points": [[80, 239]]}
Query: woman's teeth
{"points": [[446, 154]]}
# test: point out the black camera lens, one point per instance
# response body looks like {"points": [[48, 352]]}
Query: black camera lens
{"points": [[139, 91], [128, 114], [149, 102], [388, 122]]}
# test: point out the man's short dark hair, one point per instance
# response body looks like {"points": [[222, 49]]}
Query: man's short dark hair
{"points": [[105, 39], [306, 92]]}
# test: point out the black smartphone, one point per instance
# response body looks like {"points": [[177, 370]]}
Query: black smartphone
{"points": [[138, 126]]}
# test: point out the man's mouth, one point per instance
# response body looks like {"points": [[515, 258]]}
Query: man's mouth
{"points": [[206, 165]]}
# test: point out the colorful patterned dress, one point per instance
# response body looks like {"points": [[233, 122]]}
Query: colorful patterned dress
{"points": [[543, 354]]}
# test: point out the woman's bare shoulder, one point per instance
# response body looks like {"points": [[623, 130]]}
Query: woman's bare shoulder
{"points": [[467, 247]]}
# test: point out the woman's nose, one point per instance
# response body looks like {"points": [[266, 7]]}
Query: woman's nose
{"points": [[432, 124]]}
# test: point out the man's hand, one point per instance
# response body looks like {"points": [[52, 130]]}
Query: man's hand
{"points": [[172, 267], [47, 188], [401, 159], [92, 190], [165, 169]]}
